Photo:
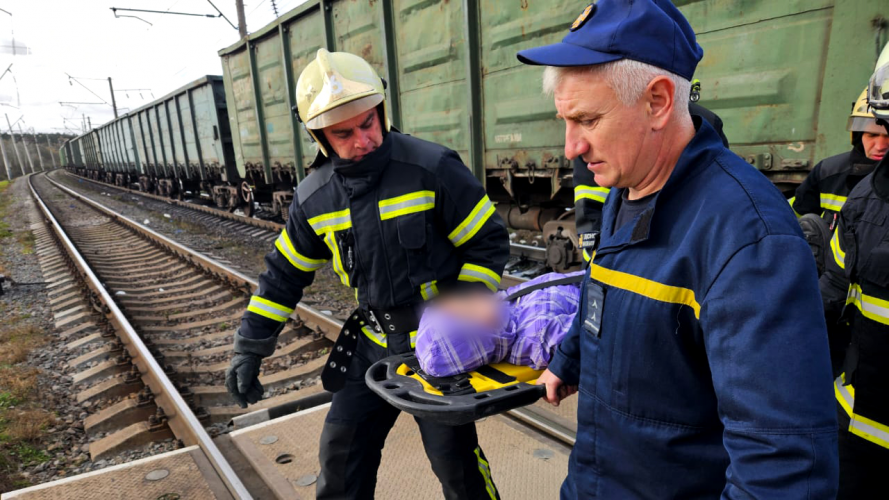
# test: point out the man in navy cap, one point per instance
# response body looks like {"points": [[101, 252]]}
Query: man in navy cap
{"points": [[699, 353]]}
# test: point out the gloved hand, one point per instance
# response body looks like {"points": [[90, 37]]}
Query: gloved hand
{"points": [[242, 376], [242, 379]]}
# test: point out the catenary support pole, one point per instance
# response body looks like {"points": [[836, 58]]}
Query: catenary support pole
{"points": [[113, 101], [51, 155], [14, 145], [27, 152], [5, 159], [37, 147], [242, 19]]}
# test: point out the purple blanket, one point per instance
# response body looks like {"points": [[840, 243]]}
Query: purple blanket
{"points": [[530, 329]]}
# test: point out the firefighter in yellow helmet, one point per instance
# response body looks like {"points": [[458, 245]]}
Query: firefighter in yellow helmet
{"points": [[855, 289], [821, 195], [401, 220]]}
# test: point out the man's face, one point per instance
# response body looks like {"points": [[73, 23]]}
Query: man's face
{"points": [[876, 145], [610, 137], [355, 138]]}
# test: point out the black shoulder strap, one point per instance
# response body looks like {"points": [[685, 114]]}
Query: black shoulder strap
{"points": [[568, 280]]}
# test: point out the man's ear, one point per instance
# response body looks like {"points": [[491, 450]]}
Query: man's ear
{"points": [[659, 93]]}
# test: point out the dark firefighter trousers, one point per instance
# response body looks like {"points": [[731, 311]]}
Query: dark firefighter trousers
{"points": [[863, 464], [355, 431]]}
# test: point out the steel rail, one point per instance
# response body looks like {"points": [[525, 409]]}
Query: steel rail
{"points": [[181, 419]]}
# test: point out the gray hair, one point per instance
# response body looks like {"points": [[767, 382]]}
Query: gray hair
{"points": [[626, 77]]}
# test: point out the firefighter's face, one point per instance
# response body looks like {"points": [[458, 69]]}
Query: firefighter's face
{"points": [[355, 138], [876, 145], [619, 143]]}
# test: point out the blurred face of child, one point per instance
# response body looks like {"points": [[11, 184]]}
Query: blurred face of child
{"points": [[477, 308]]}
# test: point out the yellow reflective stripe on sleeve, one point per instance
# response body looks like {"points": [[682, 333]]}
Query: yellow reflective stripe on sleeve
{"points": [[586, 256], [472, 272], [299, 261], [646, 287], [407, 204], [429, 290], [871, 430], [862, 427], [377, 338], [832, 202], [791, 200], [843, 395], [485, 469], [871, 307], [839, 256], [338, 268], [413, 339], [594, 193], [268, 309], [334, 221], [473, 222]]}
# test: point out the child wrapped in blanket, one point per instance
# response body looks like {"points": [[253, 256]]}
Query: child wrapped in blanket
{"points": [[462, 332]]}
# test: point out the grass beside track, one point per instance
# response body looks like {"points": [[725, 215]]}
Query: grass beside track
{"points": [[22, 420]]}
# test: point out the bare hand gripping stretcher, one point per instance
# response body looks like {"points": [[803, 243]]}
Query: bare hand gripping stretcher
{"points": [[463, 398]]}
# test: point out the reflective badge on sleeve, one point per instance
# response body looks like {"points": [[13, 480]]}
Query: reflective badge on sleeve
{"points": [[595, 300]]}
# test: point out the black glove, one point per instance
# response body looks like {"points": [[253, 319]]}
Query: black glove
{"points": [[242, 376]]}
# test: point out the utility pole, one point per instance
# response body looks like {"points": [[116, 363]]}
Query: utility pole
{"points": [[27, 152], [113, 101], [6, 160], [14, 145], [242, 19], [51, 155], [82, 123], [37, 147]]}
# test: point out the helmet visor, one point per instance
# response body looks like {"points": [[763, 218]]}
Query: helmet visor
{"points": [[864, 124], [878, 92], [344, 112]]}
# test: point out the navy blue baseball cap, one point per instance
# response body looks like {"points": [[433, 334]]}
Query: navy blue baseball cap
{"points": [[648, 31]]}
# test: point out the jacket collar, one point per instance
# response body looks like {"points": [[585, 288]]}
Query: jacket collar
{"points": [[704, 147], [362, 176]]}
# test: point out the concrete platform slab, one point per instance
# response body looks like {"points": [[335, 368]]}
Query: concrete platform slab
{"points": [[284, 452], [184, 473]]}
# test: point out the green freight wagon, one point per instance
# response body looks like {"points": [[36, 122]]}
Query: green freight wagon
{"points": [[781, 74], [181, 143]]}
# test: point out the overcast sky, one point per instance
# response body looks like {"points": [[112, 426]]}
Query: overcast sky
{"points": [[83, 39]]}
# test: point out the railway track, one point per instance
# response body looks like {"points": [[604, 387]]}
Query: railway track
{"points": [[526, 261], [170, 314], [174, 313]]}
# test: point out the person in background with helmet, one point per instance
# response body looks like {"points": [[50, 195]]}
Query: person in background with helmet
{"points": [[401, 220], [855, 290], [824, 191], [589, 197], [821, 195]]}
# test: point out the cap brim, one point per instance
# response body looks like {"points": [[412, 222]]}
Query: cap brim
{"points": [[564, 54]]}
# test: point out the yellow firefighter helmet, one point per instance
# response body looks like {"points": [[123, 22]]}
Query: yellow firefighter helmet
{"points": [[878, 87], [337, 86], [861, 119]]}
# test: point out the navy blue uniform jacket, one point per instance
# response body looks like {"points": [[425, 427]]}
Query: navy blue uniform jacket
{"points": [[710, 374]]}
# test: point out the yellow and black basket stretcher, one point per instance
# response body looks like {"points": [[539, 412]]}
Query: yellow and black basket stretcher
{"points": [[456, 400], [463, 398]]}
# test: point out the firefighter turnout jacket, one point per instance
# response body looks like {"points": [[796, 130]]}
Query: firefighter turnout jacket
{"points": [[825, 189], [855, 289], [403, 224], [699, 348]]}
